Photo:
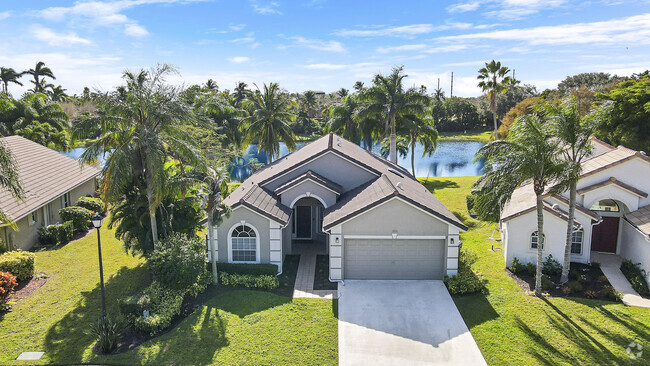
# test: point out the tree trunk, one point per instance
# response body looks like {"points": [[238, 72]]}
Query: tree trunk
{"points": [[540, 243], [413, 142], [569, 233], [393, 143], [213, 251], [152, 215]]}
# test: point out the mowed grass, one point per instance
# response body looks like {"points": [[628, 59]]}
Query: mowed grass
{"points": [[231, 328], [512, 328], [480, 135]]}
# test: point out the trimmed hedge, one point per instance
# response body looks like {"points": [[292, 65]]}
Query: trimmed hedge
{"points": [[56, 234], [18, 263], [247, 268], [636, 276], [92, 204], [265, 282], [79, 216], [467, 280], [162, 303]]}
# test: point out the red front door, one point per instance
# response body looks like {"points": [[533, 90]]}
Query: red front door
{"points": [[605, 235]]}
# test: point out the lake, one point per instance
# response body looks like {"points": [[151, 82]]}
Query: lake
{"points": [[451, 159]]}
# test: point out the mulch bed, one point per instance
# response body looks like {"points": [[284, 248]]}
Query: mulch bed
{"points": [[26, 288], [321, 277], [590, 277]]}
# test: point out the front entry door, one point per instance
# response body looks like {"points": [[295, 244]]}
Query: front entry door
{"points": [[303, 222], [605, 235]]}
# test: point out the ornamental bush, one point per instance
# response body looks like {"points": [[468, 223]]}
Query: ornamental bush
{"points": [[178, 262], [79, 216], [636, 276], [265, 282], [248, 268], [18, 263], [467, 280], [92, 204], [7, 284], [161, 305], [107, 331], [551, 267], [56, 234]]}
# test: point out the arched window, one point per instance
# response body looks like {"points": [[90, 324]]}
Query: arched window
{"points": [[576, 241], [605, 205], [243, 241], [534, 240]]}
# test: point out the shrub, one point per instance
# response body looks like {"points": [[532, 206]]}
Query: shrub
{"points": [[566, 290], [611, 293], [265, 282], [79, 216], [603, 279], [7, 284], [18, 263], [245, 268], [516, 267], [466, 281], [575, 286], [547, 284], [56, 234], [636, 276], [574, 274], [162, 305], [92, 204], [531, 269], [551, 267], [178, 261], [590, 294], [107, 331]]}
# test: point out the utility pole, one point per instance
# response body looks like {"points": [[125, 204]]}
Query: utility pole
{"points": [[451, 95], [438, 83], [513, 74]]}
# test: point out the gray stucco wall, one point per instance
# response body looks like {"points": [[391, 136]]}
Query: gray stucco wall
{"points": [[332, 167], [308, 186], [395, 215], [252, 218]]}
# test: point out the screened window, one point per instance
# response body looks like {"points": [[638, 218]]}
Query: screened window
{"points": [[534, 239], [66, 200], [605, 205], [244, 244], [576, 241]]}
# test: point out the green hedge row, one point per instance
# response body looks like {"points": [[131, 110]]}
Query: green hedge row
{"points": [[56, 234], [247, 268], [636, 276], [79, 216], [92, 204], [265, 282]]}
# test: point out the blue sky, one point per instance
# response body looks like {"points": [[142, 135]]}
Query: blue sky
{"points": [[324, 44]]}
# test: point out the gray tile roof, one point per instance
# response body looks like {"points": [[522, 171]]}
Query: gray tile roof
{"points": [[310, 175], [44, 174], [355, 201], [640, 219]]}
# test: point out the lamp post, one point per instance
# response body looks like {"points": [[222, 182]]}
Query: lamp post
{"points": [[97, 223]]}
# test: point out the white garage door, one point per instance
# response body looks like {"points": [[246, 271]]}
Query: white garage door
{"points": [[396, 259]]}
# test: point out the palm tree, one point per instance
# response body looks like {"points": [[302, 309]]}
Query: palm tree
{"points": [[9, 180], [240, 93], [358, 86], [39, 119], [269, 120], [309, 101], [227, 118], [387, 100], [140, 124], [9, 75], [530, 156], [438, 94], [494, 80], [38, 72], [211, 84], [58, 94], [343, 120], [343, 92], [215, 184], [574, 133], [423, 131]]}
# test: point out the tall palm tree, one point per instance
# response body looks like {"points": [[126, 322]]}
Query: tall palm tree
{"points": [[530, 156], [39, 72], [58, 94], [140, 124], [9, 75], [227, 118], [494, 80], [343, 92], [39, 119], [388, 100], [420, 130], [240, 93], [9, 180], [215, 182], [309, 102], [343, 119], [439, 94], [358, 86], [574, 133], [211, 84], [269, 120]]}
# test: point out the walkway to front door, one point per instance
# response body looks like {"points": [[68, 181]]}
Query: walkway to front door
{"points": [[304, 286], [610, 264]]}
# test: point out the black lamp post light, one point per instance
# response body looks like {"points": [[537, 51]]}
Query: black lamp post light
{"points": [[97, 224]]}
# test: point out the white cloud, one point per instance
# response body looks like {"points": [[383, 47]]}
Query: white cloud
{"points": [[631, 30], [406, 47], [4, 14], [135, 30], [464, 7], [448, 48], [506, 9], [315, 44], [269, 8], [401, 31], [326, 67], [56, 39], [239, 59]]}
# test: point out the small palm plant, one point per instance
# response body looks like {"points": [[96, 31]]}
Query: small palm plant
{"points": [[107, 331]]}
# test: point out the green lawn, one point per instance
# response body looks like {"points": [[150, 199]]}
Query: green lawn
{"points": [[480, 135], [232, 328], [512, 328]]}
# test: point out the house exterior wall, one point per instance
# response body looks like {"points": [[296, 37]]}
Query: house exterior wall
{"points": [[313, 203], [627, 172], [259, 222], [332, 167], [328, 197], [635, 247], [517, 232]]}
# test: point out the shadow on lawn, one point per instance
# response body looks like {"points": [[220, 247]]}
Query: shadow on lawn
{"points": [[433, 185], [66, 340], [580, 337], [475, 309]]}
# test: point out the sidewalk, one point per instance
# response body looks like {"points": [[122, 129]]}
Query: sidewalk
{"points": [[304, 286], [610, 264]]}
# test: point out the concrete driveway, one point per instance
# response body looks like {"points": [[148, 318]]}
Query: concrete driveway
{"points": [[402, 323]]}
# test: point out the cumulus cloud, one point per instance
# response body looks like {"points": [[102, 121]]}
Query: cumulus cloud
{"points": [[239, 59], [56, 39], [268, 8]]}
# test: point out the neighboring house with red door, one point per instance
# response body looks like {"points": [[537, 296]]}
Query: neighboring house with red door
{"points": [[372, 217], [612, 212]]}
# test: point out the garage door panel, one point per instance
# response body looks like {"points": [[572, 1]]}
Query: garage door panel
{"points": [[393, 259]]}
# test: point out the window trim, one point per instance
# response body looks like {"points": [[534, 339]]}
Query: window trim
{"points": [[257, 242], [582, 241], [33, 218], [66, 200], [530, 241]]}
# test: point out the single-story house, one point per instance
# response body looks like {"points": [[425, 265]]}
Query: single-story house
{"points": [[50, 180], [372, 217], [612, 212]]}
